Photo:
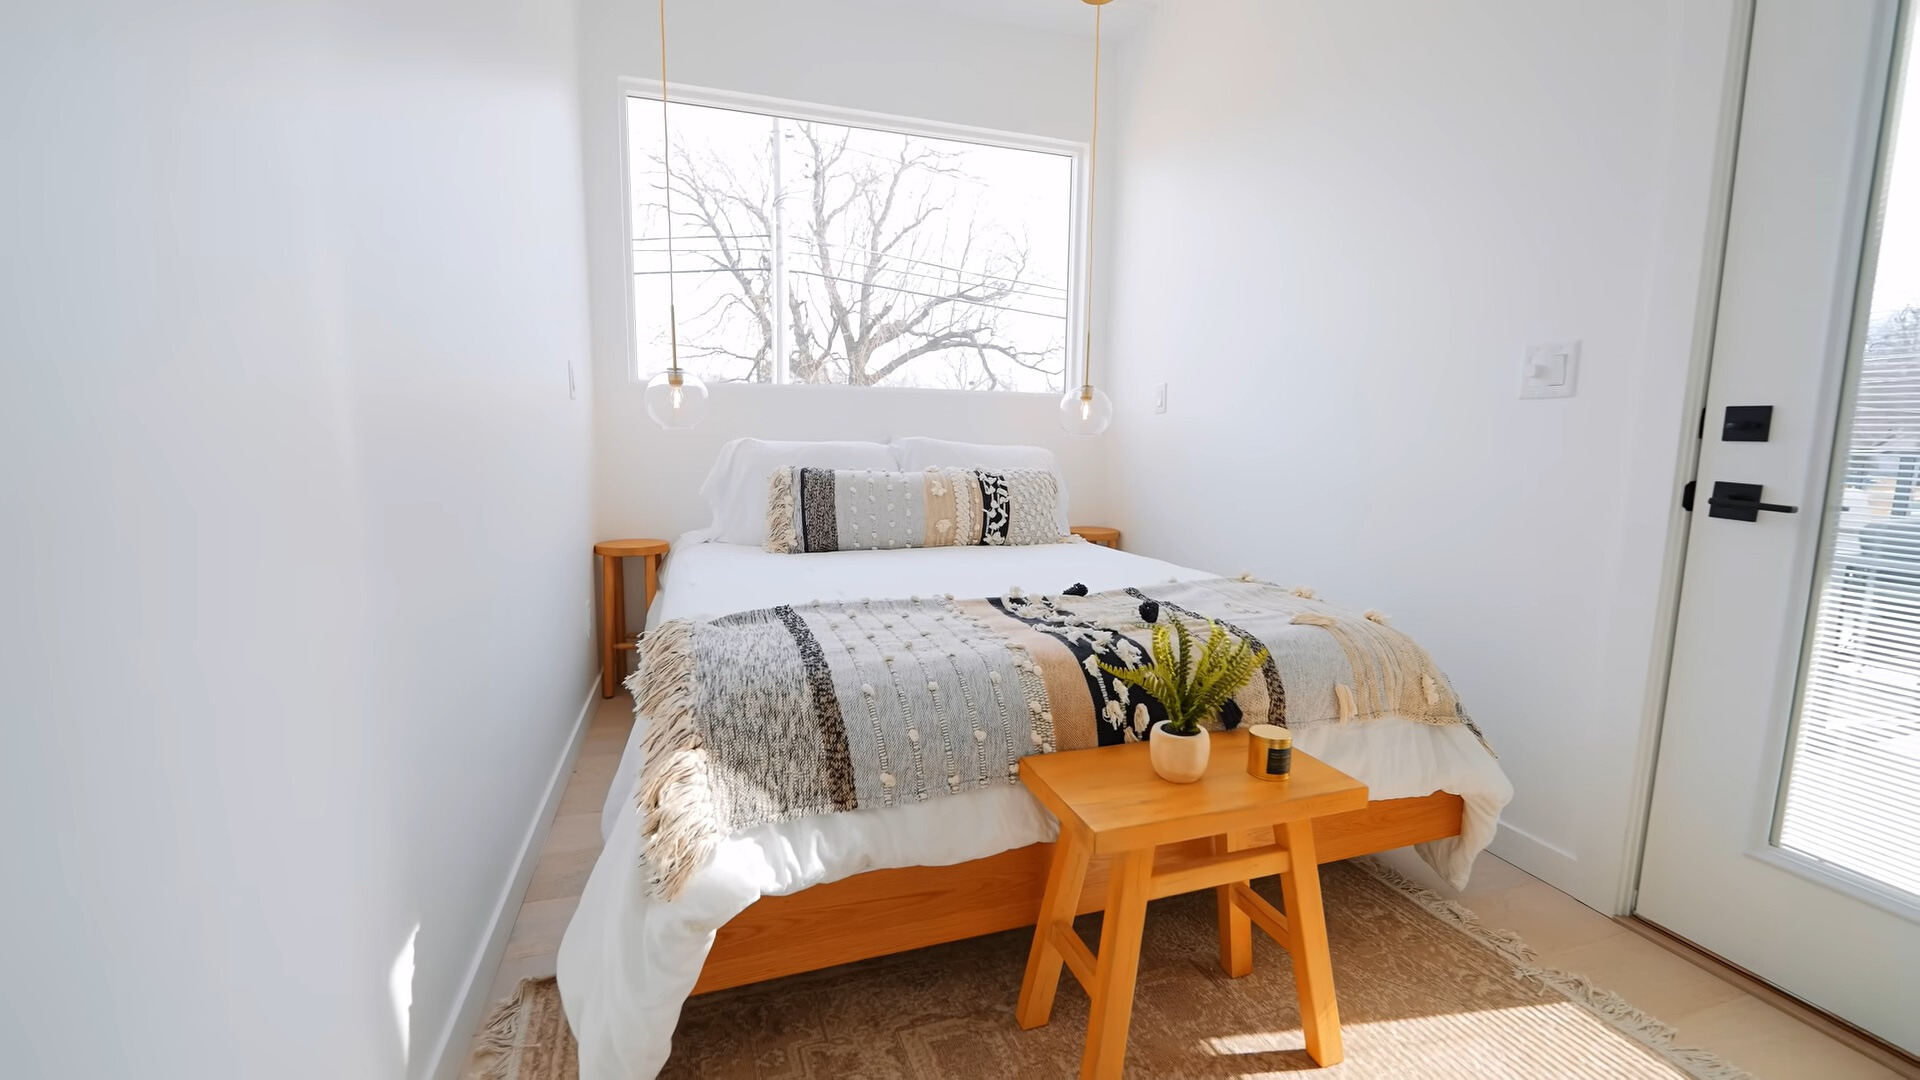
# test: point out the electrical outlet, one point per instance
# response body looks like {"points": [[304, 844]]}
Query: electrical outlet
{"points": [[1160, 399], [593, 624]]}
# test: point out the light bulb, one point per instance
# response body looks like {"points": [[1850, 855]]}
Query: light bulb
{"points": [[676, 399], [1085, 410]]}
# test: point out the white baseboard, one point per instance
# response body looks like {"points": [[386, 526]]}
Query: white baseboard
{"points": [[450, 1054], [1592, 881], [1532, 854]]}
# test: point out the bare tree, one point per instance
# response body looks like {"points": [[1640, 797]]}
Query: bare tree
{"points": [[1885, 440], [1889, 375], [885, 265], [724, 226]]}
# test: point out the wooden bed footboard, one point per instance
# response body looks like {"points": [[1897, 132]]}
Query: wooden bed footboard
{"points": [[889, 911]]}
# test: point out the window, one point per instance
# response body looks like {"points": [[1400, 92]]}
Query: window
{"points": [[815, 252], [1850, 796]]}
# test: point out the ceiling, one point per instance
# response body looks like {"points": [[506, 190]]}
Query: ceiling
{"points": [[1072, 17]]}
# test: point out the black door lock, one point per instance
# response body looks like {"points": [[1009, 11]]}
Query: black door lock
{"points": [[1741, 502], [1747, 423]]}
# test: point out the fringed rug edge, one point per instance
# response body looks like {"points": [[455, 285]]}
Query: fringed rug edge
{"points": [[1608, 1006], [497, 1053]]}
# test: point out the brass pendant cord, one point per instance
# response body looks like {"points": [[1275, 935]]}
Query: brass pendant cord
{"points": [[1093, 175], [666, 166]]}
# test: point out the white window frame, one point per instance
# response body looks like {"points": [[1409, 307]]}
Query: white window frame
{"points": [[1077, 225]]}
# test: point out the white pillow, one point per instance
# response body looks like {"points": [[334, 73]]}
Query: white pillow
{"points": [[736, 488], [917, 452]]}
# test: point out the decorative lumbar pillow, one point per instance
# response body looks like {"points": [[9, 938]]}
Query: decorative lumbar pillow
{"points": [[736, 487], [1019, 506], [916, 452], [811, 509]]}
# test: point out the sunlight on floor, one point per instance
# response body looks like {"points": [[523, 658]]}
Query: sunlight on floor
{"points": [[1557, 1036], [1253, 1042]]}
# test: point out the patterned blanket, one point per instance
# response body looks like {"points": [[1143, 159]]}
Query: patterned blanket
{"points": [[789, 712]]}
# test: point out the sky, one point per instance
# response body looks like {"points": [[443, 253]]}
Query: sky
{"points": [[1897, 277]]}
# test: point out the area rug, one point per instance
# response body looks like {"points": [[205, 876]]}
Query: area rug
{"points": [[1425, 991]]}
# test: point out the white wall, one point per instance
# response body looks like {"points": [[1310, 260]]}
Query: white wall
{"points": [[294, 506], [1337, 226], [296, 519], [921, 59]]}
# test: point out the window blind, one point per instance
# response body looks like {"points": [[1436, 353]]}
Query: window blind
{"points": [[1852, 788]]}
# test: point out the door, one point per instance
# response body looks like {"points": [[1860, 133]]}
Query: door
{"points": [[1784, 833]]}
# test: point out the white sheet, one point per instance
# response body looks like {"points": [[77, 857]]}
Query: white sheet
{"points": [[627, 962]]}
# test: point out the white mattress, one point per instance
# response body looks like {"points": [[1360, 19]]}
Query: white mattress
{"points": [[628, 962]]}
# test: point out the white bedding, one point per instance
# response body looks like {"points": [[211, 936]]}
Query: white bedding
{"points": [[628, 962]]}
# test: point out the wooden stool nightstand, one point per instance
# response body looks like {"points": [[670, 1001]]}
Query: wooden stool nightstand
{"points": [[615, 640], [1098, 534], [1111, 804]]}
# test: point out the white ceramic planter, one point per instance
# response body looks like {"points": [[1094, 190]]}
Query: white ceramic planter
{"points": [[1179, 758]]}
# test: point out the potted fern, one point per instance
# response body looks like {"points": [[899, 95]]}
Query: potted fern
{"points": [[1192, 683]]}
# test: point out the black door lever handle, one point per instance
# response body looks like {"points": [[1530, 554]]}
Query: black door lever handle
{"points": [[1746, 504], [1741, 502]]}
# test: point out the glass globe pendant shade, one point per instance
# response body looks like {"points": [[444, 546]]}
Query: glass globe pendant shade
{"points": [[676, 399], [1085, 410]]}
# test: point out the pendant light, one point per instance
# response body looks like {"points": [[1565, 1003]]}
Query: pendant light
{"points": [[675, 398], [1086, 409]]}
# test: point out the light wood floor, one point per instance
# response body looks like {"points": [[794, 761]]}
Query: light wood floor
{"points": [[1711, 1013]]}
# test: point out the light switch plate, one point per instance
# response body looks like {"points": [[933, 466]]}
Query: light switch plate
{"points": [[1160, 399], [1550, 370]]}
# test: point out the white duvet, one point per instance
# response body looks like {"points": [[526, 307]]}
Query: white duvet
{"points": [[628, 962]]}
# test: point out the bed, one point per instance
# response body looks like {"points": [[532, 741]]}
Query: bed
{"points": [[806, 894]]}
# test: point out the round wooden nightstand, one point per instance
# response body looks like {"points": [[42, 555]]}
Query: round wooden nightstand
{"points": [[615, 641], [1098, 534]]}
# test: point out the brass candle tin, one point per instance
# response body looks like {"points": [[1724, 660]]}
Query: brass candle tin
{"points": [[1269, 752]]}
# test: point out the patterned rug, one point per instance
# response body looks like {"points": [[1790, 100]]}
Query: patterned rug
{"points": [[1425, 991]]}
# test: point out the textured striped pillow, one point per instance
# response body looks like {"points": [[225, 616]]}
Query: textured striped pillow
{"points": [[812, 509]]}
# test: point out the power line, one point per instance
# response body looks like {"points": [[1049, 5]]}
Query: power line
{"points": [[928, 262], [931, 296], [885, 288], [804, 239], [983, 277], [1013, 286]]}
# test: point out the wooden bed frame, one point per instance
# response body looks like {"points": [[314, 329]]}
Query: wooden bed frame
{"points": [[889, 911]]}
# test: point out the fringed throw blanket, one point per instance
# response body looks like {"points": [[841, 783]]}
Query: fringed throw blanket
{"points": [[788, 712]]}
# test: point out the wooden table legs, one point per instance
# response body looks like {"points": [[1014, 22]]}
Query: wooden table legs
{"points": [[1109, 977], [1053, 937], [613, 623], [1236, 929], [1302, 931], [1307, 945], [615, 640], [1119, 963]]}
